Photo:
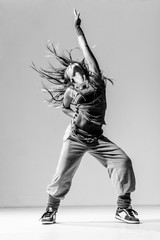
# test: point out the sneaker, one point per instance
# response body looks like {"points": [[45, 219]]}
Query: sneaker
{"points": [[127, 215], [49, 217]]}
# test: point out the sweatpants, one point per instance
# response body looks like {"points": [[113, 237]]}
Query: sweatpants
{"points": [[112, 157]]}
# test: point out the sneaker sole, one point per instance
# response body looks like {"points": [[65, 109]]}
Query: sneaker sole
{"points": [[127, 221], [48, 222]]}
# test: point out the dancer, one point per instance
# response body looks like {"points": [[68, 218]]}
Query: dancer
{"points": [[80, 88]]}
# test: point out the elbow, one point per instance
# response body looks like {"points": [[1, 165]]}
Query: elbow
{"points": [[65, 109]]}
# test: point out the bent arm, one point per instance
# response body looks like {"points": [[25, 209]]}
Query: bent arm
{"points": [[88, 55], [66, 104]]}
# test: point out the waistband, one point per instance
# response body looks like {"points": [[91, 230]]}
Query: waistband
{"points": [[85, 136]]}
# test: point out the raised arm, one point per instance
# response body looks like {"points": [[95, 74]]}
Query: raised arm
{"points": [[87, 53]]}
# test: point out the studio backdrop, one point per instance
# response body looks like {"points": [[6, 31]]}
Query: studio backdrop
{"points": [[125, 37]]}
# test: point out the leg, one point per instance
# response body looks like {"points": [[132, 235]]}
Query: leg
{"points": [[121, 173], [119, 168], [70, 157]]}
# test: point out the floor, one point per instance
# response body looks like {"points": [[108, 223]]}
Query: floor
{"points": [[80, 223]]}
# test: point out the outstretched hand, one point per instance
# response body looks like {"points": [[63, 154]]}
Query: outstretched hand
{"points": [[77, 20]]}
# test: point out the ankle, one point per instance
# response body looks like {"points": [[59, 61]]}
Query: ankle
{"points": [[53, 203], [124, 201]]}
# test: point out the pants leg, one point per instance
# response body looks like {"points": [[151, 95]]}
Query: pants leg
{"points": [[70, 157], [119, 165]]}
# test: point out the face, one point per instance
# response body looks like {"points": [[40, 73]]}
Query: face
{"points": [[73, 70]]}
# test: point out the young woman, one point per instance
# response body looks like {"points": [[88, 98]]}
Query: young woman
{"points": [[79, 86]]}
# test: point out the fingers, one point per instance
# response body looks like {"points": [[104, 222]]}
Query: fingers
{"points": [[76, 14]]}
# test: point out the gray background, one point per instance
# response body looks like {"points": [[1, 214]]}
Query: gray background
{"points": [[127, 37]]}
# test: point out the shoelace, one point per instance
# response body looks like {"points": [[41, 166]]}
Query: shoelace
{"points": [[47, 214], [131, 212]]}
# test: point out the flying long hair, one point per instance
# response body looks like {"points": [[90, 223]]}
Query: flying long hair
{"points": [[56, 76]]}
